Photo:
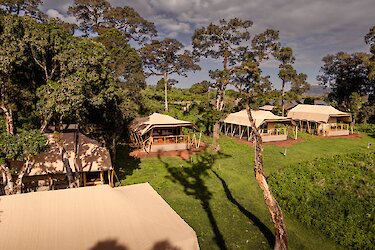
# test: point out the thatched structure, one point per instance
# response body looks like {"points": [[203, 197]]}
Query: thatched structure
{"points": [[159, 132], [130, 217], [321, 120], [270, 126]]}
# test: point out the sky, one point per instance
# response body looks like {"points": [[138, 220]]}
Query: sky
{"points": [[312, 29]]}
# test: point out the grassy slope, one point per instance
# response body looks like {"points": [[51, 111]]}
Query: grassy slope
{"points": [[219, 198]]}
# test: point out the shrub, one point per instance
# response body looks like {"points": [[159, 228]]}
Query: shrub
{"points": [[335, 195]]}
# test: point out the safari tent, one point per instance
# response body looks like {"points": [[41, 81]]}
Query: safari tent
{"points": [[270, 126], [87, 159], [321, 120], [159, 132], [98, 217]]}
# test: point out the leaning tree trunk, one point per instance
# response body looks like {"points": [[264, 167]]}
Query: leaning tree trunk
{"points": [[8, 119], [274, 209], [166, 92], [69, 171], [21, 175], [282, 98], [219, 106], [9, 188]]}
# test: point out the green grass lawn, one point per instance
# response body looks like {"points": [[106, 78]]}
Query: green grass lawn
{"points": [[217, 195]]}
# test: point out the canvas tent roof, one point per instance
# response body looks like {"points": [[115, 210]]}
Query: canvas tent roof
{"points": [[99, 217], [267, 107], [143, 124], [316, 113], [259, 116], [91, 156]]}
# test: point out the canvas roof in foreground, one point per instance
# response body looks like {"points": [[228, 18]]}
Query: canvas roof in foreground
{"points": [[259, 116], [316, 113], [142, 125], [99, 217]]}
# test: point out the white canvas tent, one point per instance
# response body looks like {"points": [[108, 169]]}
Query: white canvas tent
{"points": [[86, 157], [321, 120], [159, 132], [100, 217], [238, 124]]}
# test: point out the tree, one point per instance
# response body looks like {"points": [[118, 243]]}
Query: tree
{"points": [[22, 147], [17, 71], [97, 16], [274, 209], [223, 41], [200, 87], [370, 40], [287, 72], [26, 7], [248, 77], [125, 63], [164, 58], [344, 74], [90, 13]]}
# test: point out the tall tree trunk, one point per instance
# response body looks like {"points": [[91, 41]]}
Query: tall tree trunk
{"points": [[281, 242], [9, 188], [21, 175], [219, 105], [69, 171], [8, 119], [113, 150], [282, 98], [166, 91]]}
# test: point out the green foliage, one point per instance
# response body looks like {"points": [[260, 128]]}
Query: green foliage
{"points": [[365, 128], [200, 87], [345, 74], [22, 146], [335, 195]]}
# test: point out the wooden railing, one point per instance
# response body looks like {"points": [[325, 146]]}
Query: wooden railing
{"points": [[170, 139], [339, 126], [274, 131]]}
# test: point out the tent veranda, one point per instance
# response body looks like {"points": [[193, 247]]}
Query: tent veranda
{"points": [[159, 132], [321, 120], [270, 126]]}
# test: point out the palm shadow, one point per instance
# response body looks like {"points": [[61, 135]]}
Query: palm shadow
{"points": [[192, 179], [257, 222], [108, 245]]}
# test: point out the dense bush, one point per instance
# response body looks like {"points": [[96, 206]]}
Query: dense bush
{"points": [[335, 195], [365, 128]]}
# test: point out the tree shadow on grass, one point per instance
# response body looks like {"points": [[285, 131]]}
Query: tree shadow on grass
{"points": [[126, 163], [192, 179], [257, 222]]}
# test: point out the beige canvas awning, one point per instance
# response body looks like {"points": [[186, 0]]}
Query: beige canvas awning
{"points": [[92, 156], [132, 217], [143, 124], [316, 113], [260, 117]]}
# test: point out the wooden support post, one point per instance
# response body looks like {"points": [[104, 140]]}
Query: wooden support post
{"points": [[231, 129], [84, 179], [109, 178], [226, 132], [112, 177], [242, 130], [102, 177]]}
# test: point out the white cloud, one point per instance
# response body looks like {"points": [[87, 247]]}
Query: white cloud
{"points": [[56, 14]]}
